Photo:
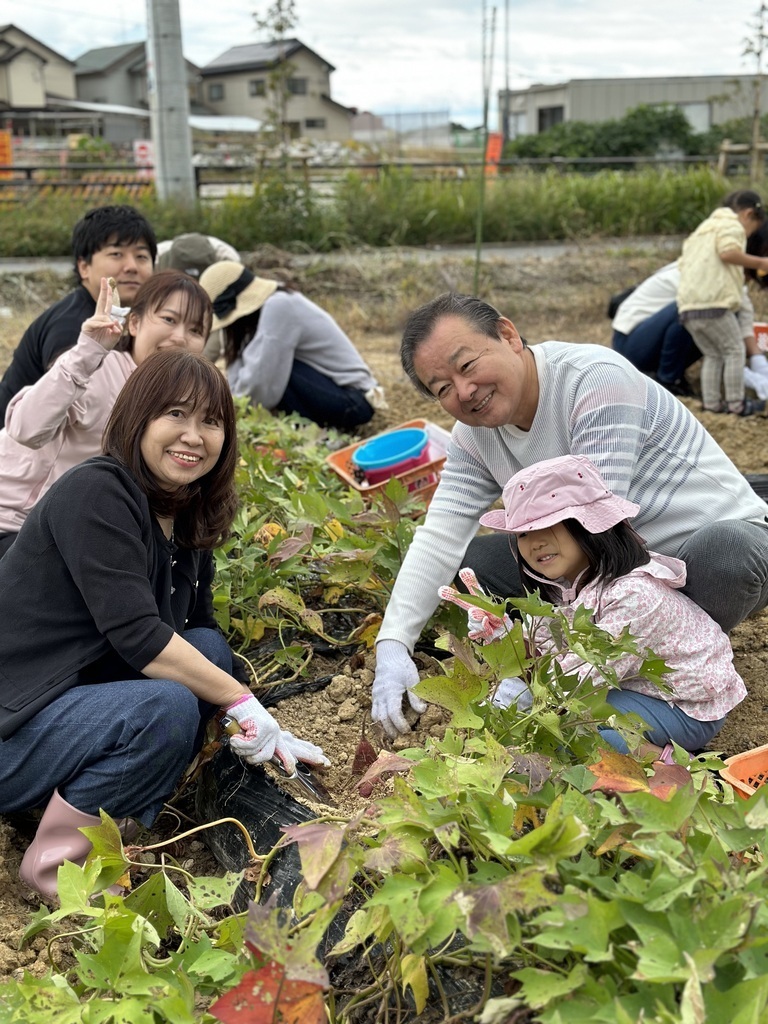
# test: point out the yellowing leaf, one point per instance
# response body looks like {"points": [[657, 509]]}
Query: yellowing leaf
{"points": [[414, 971], [618, 773], [525, 813], [333, 529], [267, 533]]}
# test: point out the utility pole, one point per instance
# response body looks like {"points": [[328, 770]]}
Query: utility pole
{"points": [[489, 37], [169, 103], [505, 114]]}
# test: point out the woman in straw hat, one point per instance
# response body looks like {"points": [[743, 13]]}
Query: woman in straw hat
{"points": [[286, 353]]}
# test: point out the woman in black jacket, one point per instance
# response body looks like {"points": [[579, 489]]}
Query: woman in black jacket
{"points": [[110, 659]]}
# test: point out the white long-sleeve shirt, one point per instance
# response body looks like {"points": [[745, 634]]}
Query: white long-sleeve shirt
{"points": [[293, 327], [658, 291], [646, 444]]}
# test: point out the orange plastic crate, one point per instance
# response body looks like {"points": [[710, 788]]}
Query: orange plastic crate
{"points": [[422, 480], [747, 772]]}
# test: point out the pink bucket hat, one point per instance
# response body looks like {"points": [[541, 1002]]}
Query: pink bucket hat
{"points": [[568, 487]]}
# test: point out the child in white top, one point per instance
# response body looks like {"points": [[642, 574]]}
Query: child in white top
{"points": [[575, 544]]}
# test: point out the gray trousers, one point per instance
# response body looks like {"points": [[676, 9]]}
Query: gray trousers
{"points": [[722, 369], [727, 568]]}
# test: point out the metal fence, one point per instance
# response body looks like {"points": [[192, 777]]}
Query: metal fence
{"points": [[100, 180]]}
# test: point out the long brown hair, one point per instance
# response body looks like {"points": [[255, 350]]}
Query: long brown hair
{"points": [[202, 511], [196, 307]]}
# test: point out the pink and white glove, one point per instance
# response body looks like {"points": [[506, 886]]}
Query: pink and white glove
{"points": [[262, 739], [260, 734], [482, 627]]}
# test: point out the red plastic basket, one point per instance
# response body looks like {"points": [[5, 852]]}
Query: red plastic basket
{"points": [[747, 772], [421, 480]]}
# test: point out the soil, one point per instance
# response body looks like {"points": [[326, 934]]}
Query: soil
{"points": [[370, 294]]}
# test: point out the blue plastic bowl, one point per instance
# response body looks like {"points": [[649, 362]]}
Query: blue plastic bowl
{"points": [[391, 449]]}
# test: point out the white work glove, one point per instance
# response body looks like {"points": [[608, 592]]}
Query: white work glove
{"points": [[757, 381], [261, 733], [290, 750], [513, 690], [395, 675]]}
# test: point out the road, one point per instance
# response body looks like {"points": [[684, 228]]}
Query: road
{"points": [[506, 251]]}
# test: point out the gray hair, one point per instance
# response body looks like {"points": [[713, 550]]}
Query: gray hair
{"points": [[478, 314]]}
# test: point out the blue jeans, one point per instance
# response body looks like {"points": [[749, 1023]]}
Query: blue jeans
{"points": [[121, 746], [660, 345], [666, 723], [316, 397]]}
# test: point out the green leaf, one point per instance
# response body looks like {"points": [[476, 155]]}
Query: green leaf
{"points": [[556, 838], [744, 1003], [541, 988], [372, 920], [580, 923], [654, 815], [455, 693], [148, 901], [39, 1001], [207, 892]]}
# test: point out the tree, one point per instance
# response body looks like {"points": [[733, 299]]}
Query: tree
{"points": [[276, 23], [754, 46]]}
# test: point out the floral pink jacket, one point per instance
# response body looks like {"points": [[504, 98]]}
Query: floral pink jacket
{"points": [[705, 684]]}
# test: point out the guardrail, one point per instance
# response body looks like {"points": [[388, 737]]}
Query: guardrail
{"points": [[102, 180]]}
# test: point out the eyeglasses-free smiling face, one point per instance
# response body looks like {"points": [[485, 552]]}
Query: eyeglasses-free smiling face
{"points": [[479, 380], [166, 327], [552, 552], [130, 265], [182, 445]]}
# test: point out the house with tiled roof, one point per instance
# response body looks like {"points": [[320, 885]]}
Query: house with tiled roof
{"points": [[241, 81]]}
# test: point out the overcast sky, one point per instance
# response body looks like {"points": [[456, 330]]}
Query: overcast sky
{"points": [[406, 55]]}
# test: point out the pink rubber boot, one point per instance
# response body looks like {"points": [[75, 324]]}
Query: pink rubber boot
{"points": [[57, 839]]}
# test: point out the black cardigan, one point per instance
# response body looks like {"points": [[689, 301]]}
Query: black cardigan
{"points": [[91, 591]]}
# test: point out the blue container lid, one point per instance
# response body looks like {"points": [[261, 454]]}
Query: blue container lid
{"points": [[391, 448]]}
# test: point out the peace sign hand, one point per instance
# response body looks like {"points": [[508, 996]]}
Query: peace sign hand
{"points": [[105, 326]]}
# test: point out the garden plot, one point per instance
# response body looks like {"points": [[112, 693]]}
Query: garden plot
{"points": [[370, 295]]}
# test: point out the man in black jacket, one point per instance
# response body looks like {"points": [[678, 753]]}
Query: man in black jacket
{"points": [[109, 241]]}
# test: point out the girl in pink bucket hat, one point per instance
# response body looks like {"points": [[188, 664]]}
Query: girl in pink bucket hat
{"points": [[576, 545]]}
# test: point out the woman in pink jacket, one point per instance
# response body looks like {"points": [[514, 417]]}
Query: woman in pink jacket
{"points": [[57, 423]]}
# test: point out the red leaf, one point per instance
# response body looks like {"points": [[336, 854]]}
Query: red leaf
{"points": [[668, 778], [266, 996], [385, 762], [365, 755]]}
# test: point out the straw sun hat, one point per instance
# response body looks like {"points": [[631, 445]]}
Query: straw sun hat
{"points": [[234, 291]]}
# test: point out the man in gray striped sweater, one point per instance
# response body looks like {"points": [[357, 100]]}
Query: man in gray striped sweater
{"points": [[517, 405]]}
